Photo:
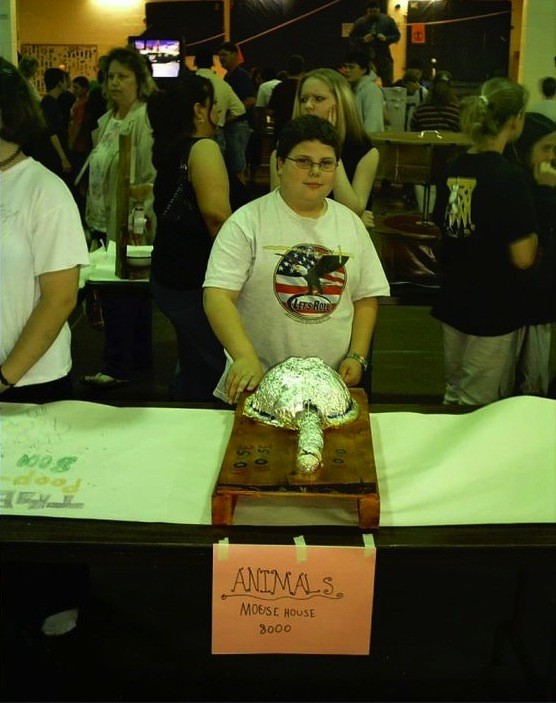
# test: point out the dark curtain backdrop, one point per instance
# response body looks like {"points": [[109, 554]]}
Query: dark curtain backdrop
{"points": [[318, 37], [472, 50]]}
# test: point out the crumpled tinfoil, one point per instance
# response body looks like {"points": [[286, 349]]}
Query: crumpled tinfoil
{"points": [[305, 395]]}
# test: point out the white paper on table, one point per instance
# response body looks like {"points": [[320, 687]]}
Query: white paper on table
{"points": [[133, 464], [494, 465]]}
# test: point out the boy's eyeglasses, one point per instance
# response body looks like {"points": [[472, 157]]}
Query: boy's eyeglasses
{"points": [[306, 164]]}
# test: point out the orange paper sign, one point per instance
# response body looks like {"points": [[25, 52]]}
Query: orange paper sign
{"points": [[418, 33], [275, 599]]}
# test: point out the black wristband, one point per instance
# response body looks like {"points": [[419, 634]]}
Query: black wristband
{"points": [[4, 381]]}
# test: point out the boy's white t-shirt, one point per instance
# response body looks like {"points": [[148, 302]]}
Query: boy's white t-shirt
{"points": [[41, 232], [298, 277]]}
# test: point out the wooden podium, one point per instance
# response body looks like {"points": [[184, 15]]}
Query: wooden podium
{"points": [[260, 462]]}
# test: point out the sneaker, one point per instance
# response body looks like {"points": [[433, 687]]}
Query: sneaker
{"points": [[103, 380], [60, 623]]}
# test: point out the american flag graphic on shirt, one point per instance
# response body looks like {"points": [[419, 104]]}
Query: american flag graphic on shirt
{"points": [[309, 281]]}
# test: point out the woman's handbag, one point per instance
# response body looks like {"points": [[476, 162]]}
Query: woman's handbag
{"points": [[182, 244], [179, 204]]}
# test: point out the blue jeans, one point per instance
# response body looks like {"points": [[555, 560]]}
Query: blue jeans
{"points": [[237, 135], [201, 358]]}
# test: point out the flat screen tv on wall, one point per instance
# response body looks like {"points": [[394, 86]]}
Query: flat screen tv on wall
{"points": [[165, 55]]}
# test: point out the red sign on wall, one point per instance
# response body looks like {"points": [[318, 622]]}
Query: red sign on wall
{"points": [[417, 33]]}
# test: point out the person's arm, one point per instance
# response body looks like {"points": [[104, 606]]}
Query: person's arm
{"points": [[58, 298], [51, 115], [209, 179], [358, 34], [393, 34], [245, 89], [355, 31], [225, 320], [356, 194], [73, 126], [523, 252], [364, 320], [249, 101], [415, 125], [55, 141]]}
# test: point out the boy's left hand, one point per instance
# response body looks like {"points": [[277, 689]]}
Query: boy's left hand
{"points": [[350, 371]]}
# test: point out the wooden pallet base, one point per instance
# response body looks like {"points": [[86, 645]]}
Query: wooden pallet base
{"points": [[260, 461]]}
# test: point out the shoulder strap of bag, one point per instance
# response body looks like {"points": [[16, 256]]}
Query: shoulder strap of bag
{"points": [[179, 194], [86, 164]]}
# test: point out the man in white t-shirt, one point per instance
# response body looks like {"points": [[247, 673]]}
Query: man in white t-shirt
{"points": [[270, 81], [293, 273], [229, 105]]}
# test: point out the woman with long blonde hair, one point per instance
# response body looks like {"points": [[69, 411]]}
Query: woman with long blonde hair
{"points": [[327, 94]]}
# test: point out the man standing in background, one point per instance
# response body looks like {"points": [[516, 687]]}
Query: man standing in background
{"points": [[66, 100], [237, 130], [229, 105], [377, 31], [55, 80]]}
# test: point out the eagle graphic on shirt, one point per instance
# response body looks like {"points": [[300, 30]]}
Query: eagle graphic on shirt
{"points": [[458, 221], [309, 280]]}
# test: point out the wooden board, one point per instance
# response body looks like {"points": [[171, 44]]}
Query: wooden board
{"points": [[260, 460]]}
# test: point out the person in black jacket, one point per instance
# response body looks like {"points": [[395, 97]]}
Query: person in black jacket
{"points": [[374, 32]]}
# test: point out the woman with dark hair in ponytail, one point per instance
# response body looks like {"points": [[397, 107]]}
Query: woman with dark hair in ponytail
{"points": [[191, 202], [486, 212]]}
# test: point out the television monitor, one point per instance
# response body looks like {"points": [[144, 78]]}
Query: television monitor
{"points": [[165, 55]]}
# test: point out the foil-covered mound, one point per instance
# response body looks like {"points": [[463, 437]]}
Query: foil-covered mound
{"points": [[305, 395]]}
